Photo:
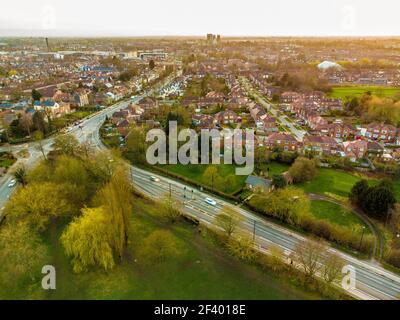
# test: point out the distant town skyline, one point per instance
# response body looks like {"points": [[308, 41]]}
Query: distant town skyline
{"points": [[197, 18]]}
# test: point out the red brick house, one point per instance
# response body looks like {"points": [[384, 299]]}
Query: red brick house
{"points": [[289, 97], [336, 130], [314, 121], [284, 141], [321, 145], [357, 148], [381, 132], [226, 117]]}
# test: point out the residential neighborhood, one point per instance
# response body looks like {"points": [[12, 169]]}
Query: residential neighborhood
{"points": [[196, 159]]}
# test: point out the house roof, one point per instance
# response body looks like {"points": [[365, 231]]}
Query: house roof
{"points": [[255, 181], [319, 139], [374, 146], [45, 103], [281, 136]]}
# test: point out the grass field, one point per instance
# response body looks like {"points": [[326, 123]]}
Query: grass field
{"points": [[335, 214], [196, 172], [274, 168], [357, 91], [202, 271], [330, 181]]}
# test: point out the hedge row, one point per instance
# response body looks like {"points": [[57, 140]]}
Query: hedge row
{"points": [[334, 233]]}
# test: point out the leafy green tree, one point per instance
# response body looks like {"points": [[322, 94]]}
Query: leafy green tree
{"points": [[152, 64], [387, 183], [88, 240], [16, 129], [227, 182], [40, 203], [136, 146], [72, 173], [22, 256], [279, 181], [21, 175], [42, 172], [303, 170], [159, 246], [353, 104], [358, 191], [261, 157], [67, 144], [127, 75], [36, 95], [242, 248], [289, 205], [378, 201], [276, 257], [116, 198], [181, 116], [211, 176]]}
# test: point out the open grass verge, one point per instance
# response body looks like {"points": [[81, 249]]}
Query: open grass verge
{"points": [[336, 214]]}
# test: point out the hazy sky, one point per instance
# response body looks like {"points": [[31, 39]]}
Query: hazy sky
{"points": [[198, 17]]}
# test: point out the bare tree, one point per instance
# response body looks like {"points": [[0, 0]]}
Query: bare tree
{"points": [[309, 255], [170, 208], [26, 122], [332, 268], [228, 219], [38, 137]]}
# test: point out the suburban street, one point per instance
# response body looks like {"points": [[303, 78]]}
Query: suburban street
{"points": [[372, 281], [89, 132], [297, 133]]}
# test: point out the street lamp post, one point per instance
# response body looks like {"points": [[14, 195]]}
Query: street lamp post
{"points": [[362, 236], [254, 230]]}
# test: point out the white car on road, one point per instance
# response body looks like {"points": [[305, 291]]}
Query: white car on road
{"points": [[154, 179], [12, 183], [210, 201]]}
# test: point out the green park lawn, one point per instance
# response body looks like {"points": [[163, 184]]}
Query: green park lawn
{"points": [[330, 181], [274, 168], [202, 271], [196, 172], [335, 214], [357, 91]]}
